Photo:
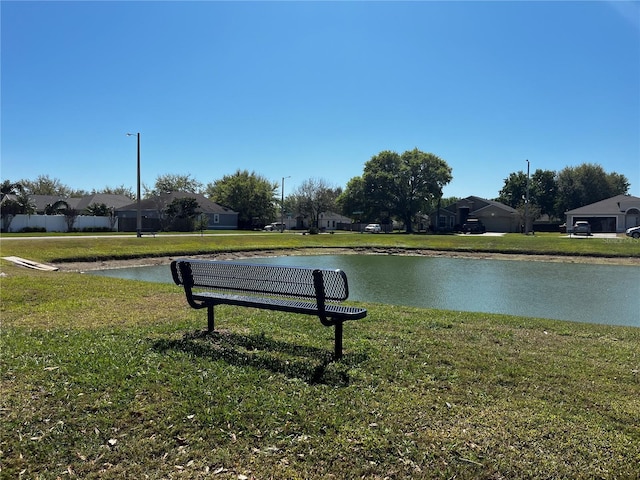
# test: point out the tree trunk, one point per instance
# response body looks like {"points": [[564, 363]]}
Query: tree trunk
{"points": [[408, 224]]}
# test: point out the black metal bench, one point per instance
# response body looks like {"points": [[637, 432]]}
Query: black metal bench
{"points": [[309, 291]]}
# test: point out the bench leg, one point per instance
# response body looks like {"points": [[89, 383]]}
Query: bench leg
{"points": [[338, 341], [210, 323]]}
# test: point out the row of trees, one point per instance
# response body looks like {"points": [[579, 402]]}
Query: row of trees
{"points": [[393, 186], [553, 193], [45, 185], [255, 197]]}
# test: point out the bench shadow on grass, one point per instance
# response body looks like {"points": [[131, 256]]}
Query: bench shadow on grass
{"points": [[310, 364]]}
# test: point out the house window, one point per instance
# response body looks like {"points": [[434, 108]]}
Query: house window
{"points": [[216, 218]]}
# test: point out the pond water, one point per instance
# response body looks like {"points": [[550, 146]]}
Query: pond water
{"points": [[605, 294]]}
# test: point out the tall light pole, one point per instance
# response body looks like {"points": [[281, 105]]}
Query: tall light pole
{"points": [[526, 205], [282, 205], [139, 212]]}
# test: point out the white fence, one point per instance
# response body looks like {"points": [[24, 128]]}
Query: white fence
{"points": [[57, 223]]}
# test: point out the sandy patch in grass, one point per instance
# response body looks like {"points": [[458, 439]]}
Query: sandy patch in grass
{"points": [[133, 262]]}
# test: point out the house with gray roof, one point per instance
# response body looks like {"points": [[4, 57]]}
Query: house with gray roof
{"points": [[495, 216], [614, 214], [42, 202], [152, 212], [55, 221]]}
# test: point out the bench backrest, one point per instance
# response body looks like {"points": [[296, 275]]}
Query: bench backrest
{"points": [[274, 280]]}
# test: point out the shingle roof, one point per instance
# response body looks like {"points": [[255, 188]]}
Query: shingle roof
{"points": [[41, 201], [608, 206], [160, 201], [110, 200], [479, 200]]}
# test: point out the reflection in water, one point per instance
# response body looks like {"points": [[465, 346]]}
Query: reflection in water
{"points": [[608, 294]]}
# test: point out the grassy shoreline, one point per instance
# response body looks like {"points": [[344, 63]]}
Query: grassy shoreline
{"points": [[102, 248], [109, 378]]}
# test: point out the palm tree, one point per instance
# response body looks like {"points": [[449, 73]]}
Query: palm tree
{"points": [[10, 207], [10, 188], [56, 207], [62, 207]]}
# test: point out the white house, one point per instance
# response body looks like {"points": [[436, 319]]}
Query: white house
{"points": [[326, 221]]}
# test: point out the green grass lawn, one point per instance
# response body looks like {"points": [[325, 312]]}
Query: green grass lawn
{"points": [[108, 378], [83, 248]]}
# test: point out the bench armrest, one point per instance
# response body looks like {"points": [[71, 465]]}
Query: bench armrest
{"points": [[318, 283]]}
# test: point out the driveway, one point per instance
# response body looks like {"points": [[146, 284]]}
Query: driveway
{"points": [[485, 234], [593, 235]]}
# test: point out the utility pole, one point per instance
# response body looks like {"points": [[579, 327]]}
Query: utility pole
{"points": [[139, 209], [282, 205], [526, 205]]}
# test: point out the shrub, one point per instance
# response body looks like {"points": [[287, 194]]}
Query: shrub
{"points": [[96, 229]]}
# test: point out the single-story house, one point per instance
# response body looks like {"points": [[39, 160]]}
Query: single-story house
{"points": [[42, 202], [326, 221], [331, 220], [219, 217], [495, 216], [614, 214]]}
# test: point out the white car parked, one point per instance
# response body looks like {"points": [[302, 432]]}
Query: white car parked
{"points": [[373, 228], [275, 227], [633, 232]]}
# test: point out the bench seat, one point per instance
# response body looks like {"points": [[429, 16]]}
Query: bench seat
{"points": [[308, 291], [282, 304]]}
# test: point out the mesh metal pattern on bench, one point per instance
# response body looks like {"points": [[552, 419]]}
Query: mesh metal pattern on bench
{"points": [[271, 280], [309, 291]]}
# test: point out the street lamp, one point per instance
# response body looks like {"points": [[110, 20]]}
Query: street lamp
{"points": [[282, 205], [139, 212], [526, 205]]}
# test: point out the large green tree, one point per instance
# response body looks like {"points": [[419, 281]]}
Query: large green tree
{"points": [[171, 182], [514, 189], [353, 202], [545, 188], [585, 184], [180, 215], [542, 190], [405, 185], [554, 193], [249, 194], [45, 185], [121, 190]]}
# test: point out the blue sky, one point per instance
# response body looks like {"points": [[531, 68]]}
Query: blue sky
{"points": [[315, 89]]}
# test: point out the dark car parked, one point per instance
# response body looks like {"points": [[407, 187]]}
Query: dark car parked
{"points": [[473, 225], [582, 227]]}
